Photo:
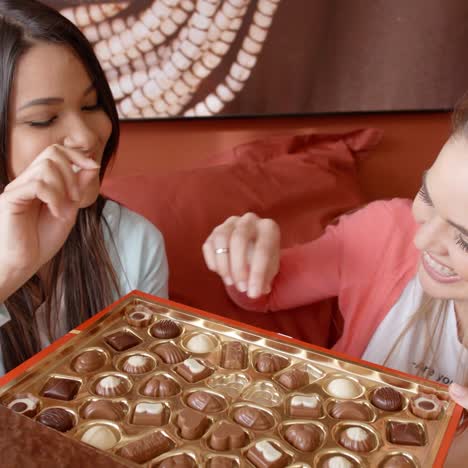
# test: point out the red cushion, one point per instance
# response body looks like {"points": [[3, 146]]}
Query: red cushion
{"points": [[303, 182]]}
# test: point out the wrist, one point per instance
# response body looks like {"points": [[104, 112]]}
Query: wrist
{"points": [[11, 279]]}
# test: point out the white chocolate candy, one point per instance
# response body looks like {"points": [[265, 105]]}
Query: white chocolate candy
{"points": [[149, 408], [137, 360], [338, 462], [110, 382], [343, 388], [100, 437], [306, 401], [200, 344], [269, 453], [194, 366], [356, 433]]}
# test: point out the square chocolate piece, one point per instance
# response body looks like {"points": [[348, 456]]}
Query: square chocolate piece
{"points": [[405, 434], [61, 389], [122, 340], [192, 370], [265, 454]]}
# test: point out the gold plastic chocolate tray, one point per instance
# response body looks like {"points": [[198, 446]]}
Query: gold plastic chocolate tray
{"points": [[231, 389]]}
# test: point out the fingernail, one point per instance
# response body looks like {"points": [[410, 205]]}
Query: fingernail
{"points": [[267, 290], [457, 390], [228, 281], [75, 168], [254, 291], [242, 286]]}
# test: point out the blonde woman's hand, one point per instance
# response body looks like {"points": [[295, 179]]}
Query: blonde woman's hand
{"points": [[38, 210], [245, 252]]}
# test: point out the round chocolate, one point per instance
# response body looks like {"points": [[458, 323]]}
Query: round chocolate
{"points": [[137, 364], [268, 363], [343, 388], [357, 439], [57, 418], [104, 409], [170, 353], [387, 399], [304, 437], [165, 329], [228, 436], [111, 385], [397, 461], [350, 410], [160, 386], [139, 317], [200, 344], [25, 404], [89, 361], [253, 418], [100, 436], [426, 406], [337, 461], [204, 401], [177, 461]]}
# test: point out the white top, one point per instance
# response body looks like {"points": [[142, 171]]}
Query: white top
{"points": [[136, 249]]}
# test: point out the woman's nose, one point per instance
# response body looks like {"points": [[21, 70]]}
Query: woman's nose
{"points": [[431, 235], [80, 137]]}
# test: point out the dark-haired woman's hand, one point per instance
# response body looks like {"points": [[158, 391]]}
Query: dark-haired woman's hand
{"points": [[38, 210], [245, 252]]}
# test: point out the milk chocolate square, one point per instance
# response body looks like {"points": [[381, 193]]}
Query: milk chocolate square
{"points": [[122, 340], [405, 433]]}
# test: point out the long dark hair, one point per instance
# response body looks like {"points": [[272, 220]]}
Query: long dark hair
{"points": [[81, 274]]}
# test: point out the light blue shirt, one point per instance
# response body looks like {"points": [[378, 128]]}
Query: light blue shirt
{"points": [[137, 252]]}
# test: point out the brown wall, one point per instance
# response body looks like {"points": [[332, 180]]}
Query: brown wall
{"points": [[411, 141]]}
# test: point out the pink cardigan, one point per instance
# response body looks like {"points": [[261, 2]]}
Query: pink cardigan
{"points": [[366, 260]]}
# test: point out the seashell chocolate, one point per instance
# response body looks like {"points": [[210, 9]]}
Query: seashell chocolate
{"points": [[160, 386], [304, 437], [205, 401], [337, 461], [111, 386], [350, 410], [89, 361], [104, 409], [357, 439], [170, 353], [165, 329], [253, 418], [268, 363], [137, 364]]}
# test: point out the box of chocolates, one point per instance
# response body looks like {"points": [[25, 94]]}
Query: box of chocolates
{"points": [[157, 384]]}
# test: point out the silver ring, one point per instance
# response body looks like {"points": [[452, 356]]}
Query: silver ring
{"points": [[222, 250]]}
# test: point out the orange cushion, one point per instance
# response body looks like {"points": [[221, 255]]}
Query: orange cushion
{"points": [[303, 182]]}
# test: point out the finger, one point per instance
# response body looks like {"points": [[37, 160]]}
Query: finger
{"points": [[69, 177], [74, 156], [209, 255], [221, 237], [242, 237], [264, 258], [459, 394]]}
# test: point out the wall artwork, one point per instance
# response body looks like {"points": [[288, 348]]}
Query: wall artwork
{"points": [[207, 58]]}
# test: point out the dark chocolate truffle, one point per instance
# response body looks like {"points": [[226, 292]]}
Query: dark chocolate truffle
{"points": [[397, 461], [266, 454], [192, 424], [227, 436], [25, 404], [137, 364], [405, 433], [177, 461], [139, 317], [268, 363], [387, 399], [233, 356], [350, 410], [304, 437], [305, 406], [253, 418], [111, 385], [205, 401], [89, 361], [61, 389], [160, 386], [57, 418], [104, 409], [122, 340], [357, 439], [165, 329], [146, 448], [294, 378], [170, 353], [426, 406]]}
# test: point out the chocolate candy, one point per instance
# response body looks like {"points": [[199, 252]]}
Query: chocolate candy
{"points": [[268, 363], [343, 388], [100, 436], [150, 414], [221, 462], [233, 356], [57, 418], [104, 409], [192, 370], [426, 406], [200, 344], [405, 433], [304, 437], [305, 406], [25, 404], [387, 399], [205, 401], [160, 386], [357, 439], [122, 340], [253, 418], [192, 424], [397, 461], [61, 389], [111, 385], [137, 364], [294, 378], [170, 353], [177, 461], [227, 436], [146, 448], [350, 410], [89, 361], [337, 461], [139, 317], [265, 454], [165, 329]]}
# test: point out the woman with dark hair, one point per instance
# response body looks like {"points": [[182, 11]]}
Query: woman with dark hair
{"points": [[66, 252]]}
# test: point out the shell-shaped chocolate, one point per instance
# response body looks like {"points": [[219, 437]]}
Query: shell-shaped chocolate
{"points": [[204, 401], [294, 378], [57, 418], [112, 385], [89, 361], [253, 418], [165, 329], [160, 386], [337, 461], [387, 399], [357, 439], [137, 364], [350, 410], [268, 363], [170, 353], [304, 437], [103, 409]]}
